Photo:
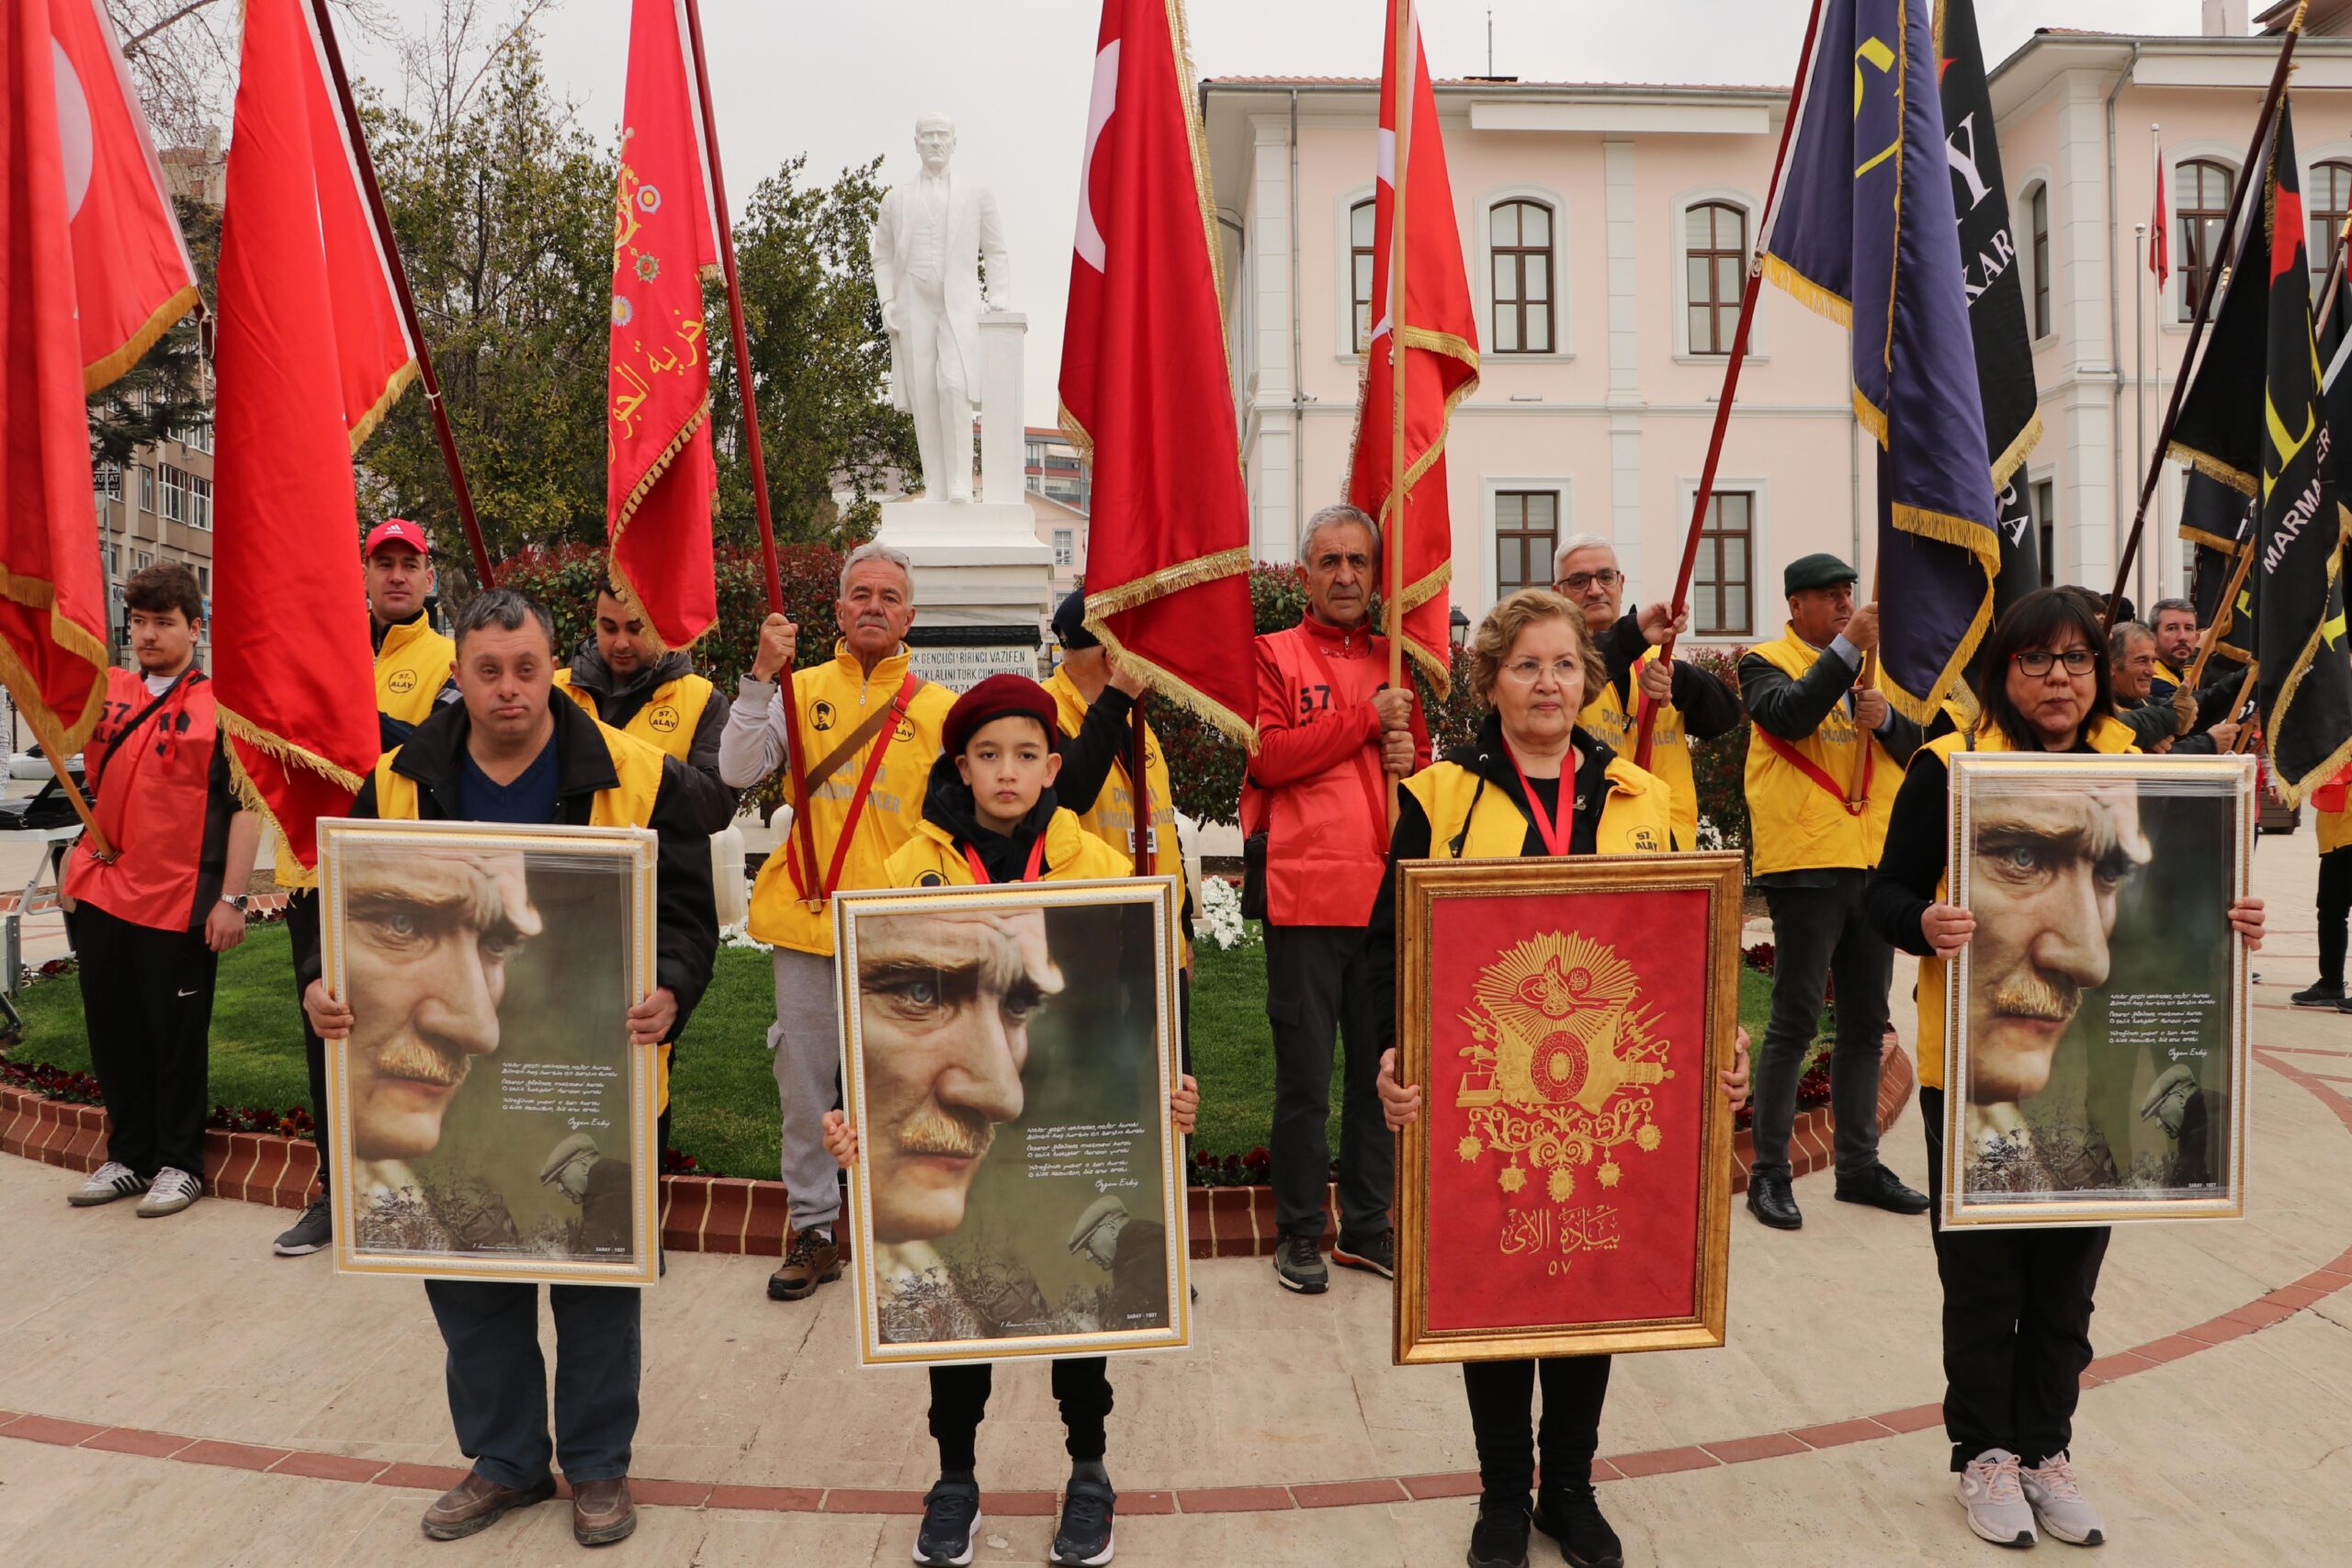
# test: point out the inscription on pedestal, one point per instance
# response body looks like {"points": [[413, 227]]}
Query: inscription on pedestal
{"points": [[961, 669]]}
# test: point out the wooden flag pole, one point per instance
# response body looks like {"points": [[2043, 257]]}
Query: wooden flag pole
{"points": [[2205, 309], [390, 246], [1681, 602], [1867, 679], [1393, 569], [2221, 615]]}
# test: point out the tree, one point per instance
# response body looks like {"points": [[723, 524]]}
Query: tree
{"points": [[183, 57], [170, 388]]}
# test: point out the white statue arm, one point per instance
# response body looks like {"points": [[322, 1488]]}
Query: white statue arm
{"points": [[881, 244], [994, 254]]}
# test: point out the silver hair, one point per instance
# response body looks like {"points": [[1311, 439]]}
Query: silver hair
{"points": [[1575, 541], [2119, 641], [1332, 516], [2161, 605], [875, 549]]}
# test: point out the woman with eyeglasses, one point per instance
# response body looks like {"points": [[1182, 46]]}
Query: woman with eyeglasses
{"points": [[1531, 784], [2016, 1304]]}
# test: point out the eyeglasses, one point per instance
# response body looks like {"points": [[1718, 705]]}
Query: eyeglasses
{"points": [[1578, 582], [1527, 671], [2037, 661]]}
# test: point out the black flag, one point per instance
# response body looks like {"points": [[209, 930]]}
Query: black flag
{"points": [[2219, 523]]}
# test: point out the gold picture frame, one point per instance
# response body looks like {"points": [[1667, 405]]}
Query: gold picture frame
{"points": [[2097, 1145], [484, 1207], [983, 1257], [1630, 1009]]}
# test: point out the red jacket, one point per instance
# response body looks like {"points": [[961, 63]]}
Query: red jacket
{"points": [[1316, 786], [164, 802]]}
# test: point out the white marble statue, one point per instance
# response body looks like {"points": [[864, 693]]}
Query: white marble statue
{"points": [[928, 246]]}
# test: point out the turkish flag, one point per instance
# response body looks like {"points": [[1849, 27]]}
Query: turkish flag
{"points": [[1441, 339], [311, 353], [132, 277], [52, 598], [1145, 382], [659, 479], [2159, 242]]}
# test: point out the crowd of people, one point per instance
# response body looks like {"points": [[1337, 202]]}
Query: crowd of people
{"points": [[906, 784]]}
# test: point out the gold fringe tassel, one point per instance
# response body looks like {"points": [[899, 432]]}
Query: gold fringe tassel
{"points": [[107, 366], [1807, 293], [2213, 469], [399, 382], [1175, 688], [2292, 791], [2027, 439]]}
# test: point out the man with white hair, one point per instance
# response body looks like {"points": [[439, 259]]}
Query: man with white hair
{"points": [[866, 728]]}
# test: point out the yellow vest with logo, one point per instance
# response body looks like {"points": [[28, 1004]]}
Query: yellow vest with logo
{"points": [[827, 702], [1112, 815], [1797, 824], [1607, 718], [411, 669], [669, 719], [2107, 736], [1637, 818], [931, 859]]}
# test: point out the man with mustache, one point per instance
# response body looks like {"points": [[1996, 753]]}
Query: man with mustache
{"points": [[866, 729]]}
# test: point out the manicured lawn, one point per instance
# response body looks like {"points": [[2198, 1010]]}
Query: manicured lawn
{"points": [[724, 1099]]}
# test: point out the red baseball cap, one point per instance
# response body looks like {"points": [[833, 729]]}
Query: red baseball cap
{"points": [[395, 530]]}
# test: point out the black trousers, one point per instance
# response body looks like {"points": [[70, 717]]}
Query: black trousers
{"points": [[2016, 1324], [302, 930], [959, 1402], [147, 1004], [2334, 908], [1818, 933], [1575, 1388], [498, 1381], [1319, 988]]}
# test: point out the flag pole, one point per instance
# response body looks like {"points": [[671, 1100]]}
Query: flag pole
{"points": [[391, 247], [2221, 615], [795, 768], [2140, 368], [1393, 570], [1863, 682], [2205, 309], [1139, 790], [1724, 400]]}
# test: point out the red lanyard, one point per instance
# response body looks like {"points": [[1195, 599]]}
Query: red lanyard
{"points": [[1556, 833], [1029, 874]]}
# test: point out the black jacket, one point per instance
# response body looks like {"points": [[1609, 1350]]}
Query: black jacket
{"points": [[1709, 708], [685, 938], [1794, 709], [618, 701]]}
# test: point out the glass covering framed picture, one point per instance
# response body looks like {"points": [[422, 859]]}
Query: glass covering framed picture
{"points": [[2097, 1061], [489, 1118], [1567, 1189], [1008, 1051]]}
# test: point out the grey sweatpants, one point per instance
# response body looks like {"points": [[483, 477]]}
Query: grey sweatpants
{"points": [[807, 1040]]}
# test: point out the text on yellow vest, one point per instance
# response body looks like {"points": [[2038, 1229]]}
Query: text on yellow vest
{"points": [[1611, 720], [411, 669], [1797, 825], [671, 714], [930, 859]]}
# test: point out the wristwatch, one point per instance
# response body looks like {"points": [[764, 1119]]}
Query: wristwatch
{"points": [[234, 900]]}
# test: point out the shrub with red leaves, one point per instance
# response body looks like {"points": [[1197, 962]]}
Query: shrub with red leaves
{"points": [[675, 1162]]}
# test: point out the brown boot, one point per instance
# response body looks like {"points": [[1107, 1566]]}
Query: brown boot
{"points": [[476, 1503], [811, 1260], [600, 1511]]}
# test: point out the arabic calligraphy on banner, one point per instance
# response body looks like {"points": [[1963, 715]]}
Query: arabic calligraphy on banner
{"points": [[651, 299]]}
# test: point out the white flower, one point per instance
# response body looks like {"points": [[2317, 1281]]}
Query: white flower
{"points": [[1217, 922], [738, 936]]}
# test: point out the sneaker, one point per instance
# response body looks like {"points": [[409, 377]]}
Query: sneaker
{"points": [[1084, 1538], [172, 1190], [1500, 1537], [313, 1232], [1993, 1499], [109, 1182], [811, 1260], [2322, 995], [1298, 1264], [1374, 1254], [2059, 1506], [1881, 1189], [951, 1522], [1571, 1516]]}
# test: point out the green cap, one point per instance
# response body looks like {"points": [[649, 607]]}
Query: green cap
{"points": [[1821, 569]]}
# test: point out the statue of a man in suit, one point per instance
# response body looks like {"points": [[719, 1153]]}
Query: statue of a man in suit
{"points": [[929, 244]]}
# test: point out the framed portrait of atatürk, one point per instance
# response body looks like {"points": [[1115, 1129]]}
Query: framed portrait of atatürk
{"points": [[1007, 1055], [2096, 1065], [489, 1118], [1567, 1189]]}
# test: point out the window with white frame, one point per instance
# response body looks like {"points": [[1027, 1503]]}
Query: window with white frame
{"points": [[2042, 499], [199, 501], [2037, 209], [1714, 264], [1527, 527], [174, 492], [1722, 596], [1065, 546], [1521, 236], [2201, 190], [1360, 246], [146, 487], [141, 559], [2331, 197]]}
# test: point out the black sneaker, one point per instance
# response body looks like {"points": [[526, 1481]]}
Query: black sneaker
{"points": [[1500, 1537], [1769, 1199], [951, 1522], [1571, 1516], [1298, 1264], [2322, 995], [1084, 1538], [1881, 1189], [1374, 1254], [313, 1232]]}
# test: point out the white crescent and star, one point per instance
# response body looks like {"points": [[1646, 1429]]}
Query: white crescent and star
{"points": [[1099, 110], [76, 139]]}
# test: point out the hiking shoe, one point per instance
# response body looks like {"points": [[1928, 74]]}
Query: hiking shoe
{"points": [[951, 1522], [811, 1260], [1084, 1538], [109, 1181], [172, 1190], [1374, 1254], [1500, 1537], [477, 1503], [2321, 994], [2059, 1506], [602, 1512], [1571, 1516], [313, 1232], [1298, 1264], [1993, 1499]]}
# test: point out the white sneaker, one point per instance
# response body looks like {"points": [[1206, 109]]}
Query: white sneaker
{"points": [[109, 1181], [173, 1189], [2058, 1503], [1994, 1500]]}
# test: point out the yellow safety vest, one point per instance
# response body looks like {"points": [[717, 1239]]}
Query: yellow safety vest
{"points": [[411, 669], [1797, 824], [669, 719], [1112, 815], [931, 859], [2108, 736], [1607, 718], [827, 702], [1637, 818], [2334, 830]]}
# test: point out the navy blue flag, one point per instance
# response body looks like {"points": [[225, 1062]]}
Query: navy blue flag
{"points": [[1864, 231]]}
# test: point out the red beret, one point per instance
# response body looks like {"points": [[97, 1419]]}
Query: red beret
{"points": [[999, 697]]}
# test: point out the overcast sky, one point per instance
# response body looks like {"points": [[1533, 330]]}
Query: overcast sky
{"points": [[842, 80]]}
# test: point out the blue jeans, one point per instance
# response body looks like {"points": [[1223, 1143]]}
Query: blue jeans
{"points": [[498, 1381]]}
